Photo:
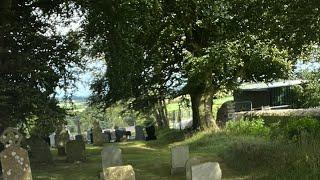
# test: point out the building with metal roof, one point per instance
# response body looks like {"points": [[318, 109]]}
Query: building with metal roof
{"points": [[277, 94]]}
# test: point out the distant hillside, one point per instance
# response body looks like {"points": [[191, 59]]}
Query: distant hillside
{"points": [[79, 99]]}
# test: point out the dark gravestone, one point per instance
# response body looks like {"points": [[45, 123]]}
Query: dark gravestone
{"points": [[151, 132], [107, 136], [139, 133], [75, 151], [119, 134], [79, 138], [128, 134], [39, 150], [47, 140]]}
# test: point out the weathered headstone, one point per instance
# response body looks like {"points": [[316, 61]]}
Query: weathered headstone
{"points": [[139, 133], [39, 150], [52, 140], [14, 159], [75, 151], [205, 171], [97, 134], [61, 138], [191, 162], [113, 136], [111, 156], [107, 136], [179, 157], [119, 173], [151, 132]]}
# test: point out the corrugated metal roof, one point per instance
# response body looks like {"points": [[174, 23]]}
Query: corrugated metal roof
{"points": [[264, 86]]}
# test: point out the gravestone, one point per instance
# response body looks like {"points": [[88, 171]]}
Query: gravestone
{"points": [[79, 138], [52, 140], [151, 132], [111, 156], [139, 133], [14, 159], [179, 157], [75, 151], [191, 162], [209, 170], [107, 136], [39, 150], [119, 134], [97, 134], [61, 139], [119, 173]]}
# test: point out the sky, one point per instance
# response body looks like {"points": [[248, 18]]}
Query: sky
{"points": [[82, 86]]}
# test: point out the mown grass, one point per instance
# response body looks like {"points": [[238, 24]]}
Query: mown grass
{"points": [[241, 156]]}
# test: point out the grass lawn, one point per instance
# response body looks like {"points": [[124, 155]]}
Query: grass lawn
{"points": [[151, 161]]}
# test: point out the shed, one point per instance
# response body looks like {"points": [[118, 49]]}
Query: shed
{"points": [[276, 94]]}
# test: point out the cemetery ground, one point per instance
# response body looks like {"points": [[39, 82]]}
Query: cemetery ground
{"points": [[151, 160]]}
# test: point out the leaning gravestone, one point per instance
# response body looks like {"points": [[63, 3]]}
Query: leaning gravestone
{"points": [[75, 151], [98, 139], [191, 162], [119, 173], [39, 150], [14, 159], [111, 156], [61, 139], [205, 171], [139, 133], [179, 157]]}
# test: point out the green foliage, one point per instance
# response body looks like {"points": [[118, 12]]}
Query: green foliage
{"points": [[34, 61], [296, 129], [308, 94], [273, 160], [255, 127]]}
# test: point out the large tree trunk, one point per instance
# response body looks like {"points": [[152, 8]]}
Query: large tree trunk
{"points": [[202, 111]]}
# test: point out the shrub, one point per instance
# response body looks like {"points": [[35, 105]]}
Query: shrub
{"points": [[253, 127], [296, 129]]}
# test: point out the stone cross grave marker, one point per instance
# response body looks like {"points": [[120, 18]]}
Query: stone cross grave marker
{"points": [[119, 173], [179, 157], [14, 159], [111, 156], [209, 170]]}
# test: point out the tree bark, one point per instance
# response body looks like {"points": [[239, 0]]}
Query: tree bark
{"points": [[202, 111]]}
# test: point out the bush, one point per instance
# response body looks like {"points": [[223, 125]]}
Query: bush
{"points": [[297, 129], [253, 127]]}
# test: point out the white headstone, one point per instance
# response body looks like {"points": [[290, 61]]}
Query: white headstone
{"points": [[191, 162], [111, 156], [205, 171], [179, 157], [52, 140]]}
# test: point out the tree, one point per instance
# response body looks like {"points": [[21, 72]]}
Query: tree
{"points": [[162, 48], [34, 60]]}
